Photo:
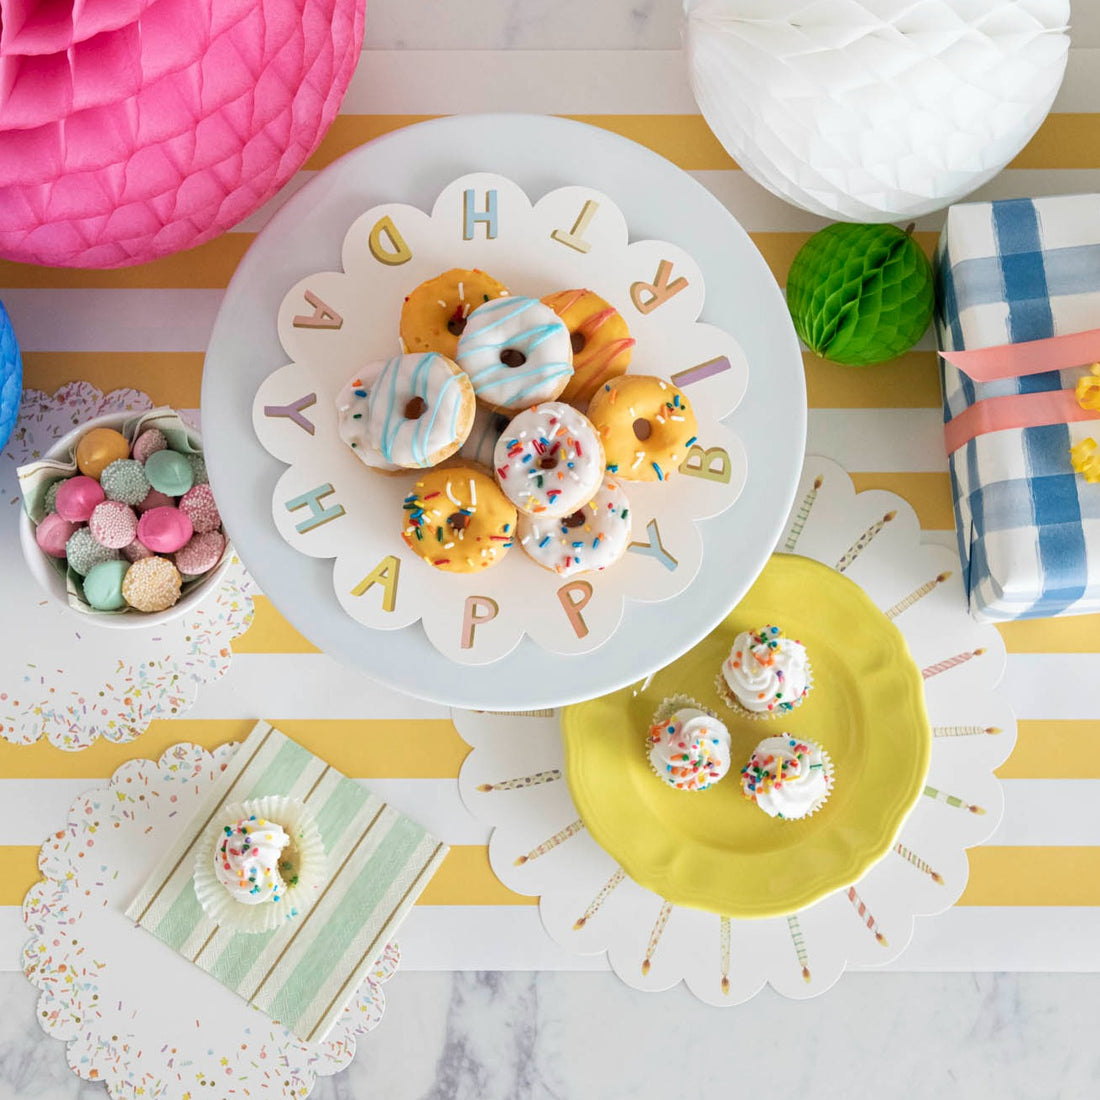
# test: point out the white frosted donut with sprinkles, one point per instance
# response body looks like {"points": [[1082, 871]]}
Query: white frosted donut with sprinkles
{"points": [[549, 460], [591, 538], [352, 406], [517, 352], [419, 410]]}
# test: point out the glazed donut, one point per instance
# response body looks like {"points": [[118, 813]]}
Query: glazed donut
{"points": [[352, 406], [458, 520], [548, 460], [591, 538], [646, 426], [516, 352], [434, 314], [600, 340], [419, 410]]}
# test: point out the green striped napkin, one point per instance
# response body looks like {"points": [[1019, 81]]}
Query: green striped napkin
{"points": [[303, 973]]}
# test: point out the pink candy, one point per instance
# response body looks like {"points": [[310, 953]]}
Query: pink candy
{"points": [[149, 442], [201, 554], [77, 498], [155, 499], [136, 551], [164, 530], [113, 524], [52, 534], [201, 510]]}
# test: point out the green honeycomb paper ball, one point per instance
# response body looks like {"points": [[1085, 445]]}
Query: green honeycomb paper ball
{"points": [[860, 294]]}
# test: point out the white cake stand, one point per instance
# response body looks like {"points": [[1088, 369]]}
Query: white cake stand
{"points": [[539, 153]]}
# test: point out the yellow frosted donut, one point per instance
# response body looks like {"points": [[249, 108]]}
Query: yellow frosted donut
{"points": [[646, 424], [600, 338], [458, 520], [434, 314]]}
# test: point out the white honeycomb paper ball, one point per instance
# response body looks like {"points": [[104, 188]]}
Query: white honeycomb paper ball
{"points": [[875, 110]]}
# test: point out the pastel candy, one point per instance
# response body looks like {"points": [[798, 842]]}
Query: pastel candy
{"points": [[103, 585], [148, 443], [153, 499], [152, 584], [98, 448], [164, 530], [50, 500], [198, 468], [77, 498], [52, 534], [198, 504], [169, 472], [113, 524], [136, 551], [84, 553], [125, 480], [201, 554]]}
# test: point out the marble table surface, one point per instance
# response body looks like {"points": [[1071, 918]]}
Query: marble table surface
{"points": [[514, 1036]]}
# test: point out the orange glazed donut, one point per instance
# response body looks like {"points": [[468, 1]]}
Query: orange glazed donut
{"points": [[601, 342], [646, 425], [434, 314]]}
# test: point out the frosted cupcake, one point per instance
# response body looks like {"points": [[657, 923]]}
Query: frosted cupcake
{"points": [[788, 777], [259, 864], [766, 673], [689, 748]]}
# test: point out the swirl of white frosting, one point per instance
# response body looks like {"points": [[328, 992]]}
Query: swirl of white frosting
{"points": [[787, 777], [247, 857], [690, 750], [767, 671]]}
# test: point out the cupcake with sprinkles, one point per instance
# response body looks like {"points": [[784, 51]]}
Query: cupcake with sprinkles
{"points": [[688, 747], [766, 674], [259, 864], [788, 777]]}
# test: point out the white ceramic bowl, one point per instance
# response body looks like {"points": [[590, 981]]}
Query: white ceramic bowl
{"points": [[53, 583]]}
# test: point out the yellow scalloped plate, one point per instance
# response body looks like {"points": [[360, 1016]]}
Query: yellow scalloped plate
{"points": [[713, 849]]}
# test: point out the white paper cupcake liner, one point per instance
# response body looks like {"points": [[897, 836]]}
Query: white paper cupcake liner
{"points": [[306, 851], [725, 693]]}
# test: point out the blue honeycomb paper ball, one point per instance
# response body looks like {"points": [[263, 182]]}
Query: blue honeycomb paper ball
{"points": [[11, 376]]}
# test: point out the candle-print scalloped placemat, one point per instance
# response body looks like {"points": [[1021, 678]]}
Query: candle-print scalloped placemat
{"points": [[513, 780]]}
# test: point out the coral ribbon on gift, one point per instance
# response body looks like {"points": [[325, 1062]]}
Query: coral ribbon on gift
{"points": [[1029, 357], [1016, 410]]}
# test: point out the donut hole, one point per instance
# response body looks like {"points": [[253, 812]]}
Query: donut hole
{"points": [[414, 408], [576, 519], [458, 521], [577, 341], [548, 462], [456, 326], [642, 428], [512, 357]]}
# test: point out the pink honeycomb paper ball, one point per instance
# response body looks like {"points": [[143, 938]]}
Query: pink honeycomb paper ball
{"points": [[133, 129]]}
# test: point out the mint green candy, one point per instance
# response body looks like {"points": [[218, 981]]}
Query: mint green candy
{"points": [[169, 472], [103, 585], [860, 294]]}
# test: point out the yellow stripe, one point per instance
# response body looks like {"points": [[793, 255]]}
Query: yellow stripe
{"points": [[209, 265], [928, 493], [1075, 634], [465, 878], [912, 381], [1063, 141], [411, 748], [999, 876], [18, 872], [168, 377], [271, 633], [1033, 876], [1054, 750]]}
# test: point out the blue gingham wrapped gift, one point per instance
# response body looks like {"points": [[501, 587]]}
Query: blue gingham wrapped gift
{"points": [[1018, 290]]}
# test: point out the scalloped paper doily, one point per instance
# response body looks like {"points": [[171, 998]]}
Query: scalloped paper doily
{"points": [[134, 1014], [58, 678], [513, 780], [329, 505]]}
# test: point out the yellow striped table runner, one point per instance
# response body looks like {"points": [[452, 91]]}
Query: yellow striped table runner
{"points": [[146, 327]]}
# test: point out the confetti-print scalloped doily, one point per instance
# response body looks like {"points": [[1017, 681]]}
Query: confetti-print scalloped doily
{"points": [[135, 1015], [58, 678], [540, 846]]}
